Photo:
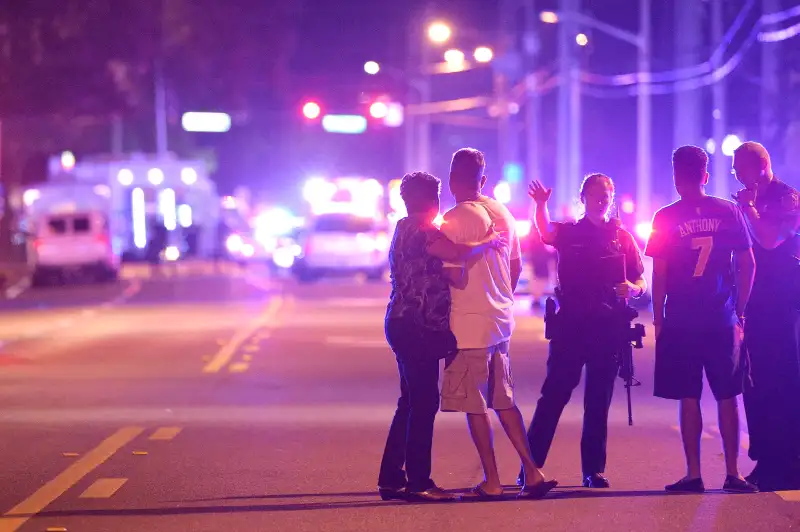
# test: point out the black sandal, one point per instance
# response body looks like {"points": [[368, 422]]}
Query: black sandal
{"points": [[537, 491], [479, 494]]}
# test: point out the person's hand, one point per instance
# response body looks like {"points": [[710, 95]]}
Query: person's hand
{"points": [[738, 333], [745, 196], [627, 290], [538, 193], [496, 240]]}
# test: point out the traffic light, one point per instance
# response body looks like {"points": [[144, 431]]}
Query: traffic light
{"points": [[312, 110]]}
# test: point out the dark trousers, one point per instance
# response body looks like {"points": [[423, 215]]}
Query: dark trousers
{"points": [[567, 358], [772, 399], [411, 434]]}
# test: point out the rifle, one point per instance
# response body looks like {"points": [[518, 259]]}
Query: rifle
{"points": [[632, 335], [629, 336]]}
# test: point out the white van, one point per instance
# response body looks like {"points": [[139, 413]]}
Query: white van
{"points": [[343, 243], [72, 245]]}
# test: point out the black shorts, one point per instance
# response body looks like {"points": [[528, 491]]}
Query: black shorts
{"points": [[681, 356]]}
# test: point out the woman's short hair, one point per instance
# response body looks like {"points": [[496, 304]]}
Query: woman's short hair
{"points": [[592, 179], [419, 191]]}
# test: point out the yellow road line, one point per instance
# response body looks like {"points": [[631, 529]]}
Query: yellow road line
{"points": [[238, 367], [21, 513], [165, 433], [789, 496], [103, 488], [227, 352]]}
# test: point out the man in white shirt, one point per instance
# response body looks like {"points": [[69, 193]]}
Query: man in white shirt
{"points": [[481, 317]]}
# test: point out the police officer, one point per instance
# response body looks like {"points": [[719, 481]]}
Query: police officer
{"points": [[588, 296], [772, 321]]}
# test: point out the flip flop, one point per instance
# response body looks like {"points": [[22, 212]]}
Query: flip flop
{"points": [[479, 494], [537, 491]]}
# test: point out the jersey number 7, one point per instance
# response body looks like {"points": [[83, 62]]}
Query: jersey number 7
{"points": [[705, 244]]}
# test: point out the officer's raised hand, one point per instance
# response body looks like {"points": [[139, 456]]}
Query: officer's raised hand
{"points": [[538, 192]]}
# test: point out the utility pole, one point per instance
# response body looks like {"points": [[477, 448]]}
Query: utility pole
{"points": [[721, 164], [505, 143], [532, 108], [644, 114], [161, 109], [566, 110], [116, 135], [688, 17], [770, 85]]}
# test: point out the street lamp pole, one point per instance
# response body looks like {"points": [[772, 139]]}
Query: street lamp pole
{"points": [[532, 108], [720, 165], [566, 109], [644, 114]]}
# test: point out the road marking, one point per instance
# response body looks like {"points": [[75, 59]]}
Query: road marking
{"points": [[103, 488], [789, 496], [56, 529], [69, 455], [139, 453], [165, 433], [251, 348], [18, 288], [704, 436], [247, 358], [224, 356], [238, 367], [356, 342], [21, 513]]}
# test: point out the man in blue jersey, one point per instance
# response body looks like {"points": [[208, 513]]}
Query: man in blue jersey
{"points": [[703, 270]]}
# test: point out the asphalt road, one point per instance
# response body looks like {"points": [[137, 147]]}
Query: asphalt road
{"points": [[235, 402]]}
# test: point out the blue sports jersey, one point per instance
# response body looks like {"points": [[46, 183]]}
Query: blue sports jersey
{"points": [[697, 239]]}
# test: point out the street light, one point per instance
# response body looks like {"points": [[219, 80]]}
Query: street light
{"points": [[581, 39], [311, 110], [439, 32], [730, 144], [483, 54], [372, 68], [454, 58], [548, 17]]}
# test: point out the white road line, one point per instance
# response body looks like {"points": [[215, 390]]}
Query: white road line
{"points": [[356, 342], [18, 288], [704, 436]]}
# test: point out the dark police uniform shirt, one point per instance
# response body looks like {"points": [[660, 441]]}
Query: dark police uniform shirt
{"points": [[420, 292], [585, 277], [697, 239], [777, 270]]}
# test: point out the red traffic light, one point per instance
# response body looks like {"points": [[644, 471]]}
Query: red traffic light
{"points": [[311, 110]]}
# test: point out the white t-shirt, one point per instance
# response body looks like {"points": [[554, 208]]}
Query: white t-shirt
{"points": [[482, 314]]}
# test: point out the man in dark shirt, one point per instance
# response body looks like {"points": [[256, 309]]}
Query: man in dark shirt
{"points": [[692, 244], [772, 331]]}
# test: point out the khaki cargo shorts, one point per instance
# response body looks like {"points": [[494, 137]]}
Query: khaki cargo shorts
{"points": [[478, 379]]}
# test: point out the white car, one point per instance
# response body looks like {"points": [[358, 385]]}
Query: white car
{"points": [[70, 245], [343, 243]]}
